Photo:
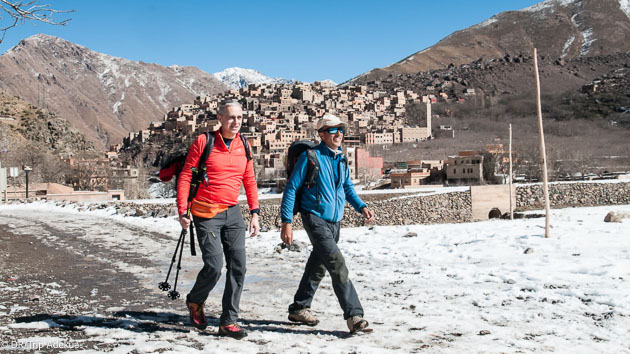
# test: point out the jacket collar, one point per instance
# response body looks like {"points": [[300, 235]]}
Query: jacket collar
{"points": [[219, 137], [325, 150]]}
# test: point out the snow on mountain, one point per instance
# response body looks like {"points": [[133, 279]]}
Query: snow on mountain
{"points": [[624, 5], [236, 78], [328, 83], [549, 4], [103, 96]]}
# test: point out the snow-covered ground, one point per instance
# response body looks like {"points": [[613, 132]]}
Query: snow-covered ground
{"points": [[468, 287]]}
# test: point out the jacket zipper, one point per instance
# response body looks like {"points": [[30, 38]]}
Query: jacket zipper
{"points": [[332, 170]]}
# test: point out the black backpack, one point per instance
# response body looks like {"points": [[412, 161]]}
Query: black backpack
{"points": [[172, 165], [312, 167]]}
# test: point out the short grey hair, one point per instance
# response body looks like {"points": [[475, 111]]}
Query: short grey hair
{"points": [[223, 106]]}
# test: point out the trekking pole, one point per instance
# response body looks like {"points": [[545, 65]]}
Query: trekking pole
{"points": [[173, 294], [165, 286]]}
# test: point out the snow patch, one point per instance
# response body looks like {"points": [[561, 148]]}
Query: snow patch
{"points": [[116, 105], [567, 45], [17, 308], [486, 23], [587, 35], [624, 5], [187, 83], [165, 89], [442, 286], [548, 4], [588, 40], [34, 325]]}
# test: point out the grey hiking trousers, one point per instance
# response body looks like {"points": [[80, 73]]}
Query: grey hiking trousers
{"points": [[222, 235], [325, 256]]}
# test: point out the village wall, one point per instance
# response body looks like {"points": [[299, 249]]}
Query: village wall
{"points": [[563, 195], [408, 209]]}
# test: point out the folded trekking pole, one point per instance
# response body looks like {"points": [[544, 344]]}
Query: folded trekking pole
{"points": [[173, 294], [165, 286]]}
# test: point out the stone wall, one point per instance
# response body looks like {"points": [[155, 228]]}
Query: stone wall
{"points": [[410, 208], [389, 209], [562, 195]]}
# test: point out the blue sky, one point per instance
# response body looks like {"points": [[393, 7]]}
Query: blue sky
{"points": [[303, 40]]}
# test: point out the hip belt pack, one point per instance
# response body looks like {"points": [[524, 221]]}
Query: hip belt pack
{"points": [[207, 210]]}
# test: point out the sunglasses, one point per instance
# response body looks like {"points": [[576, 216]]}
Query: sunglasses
{"points": [[333, 130]]}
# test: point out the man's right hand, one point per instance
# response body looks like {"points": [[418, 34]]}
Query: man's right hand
{"points": [[184, 221], [286, 233]]}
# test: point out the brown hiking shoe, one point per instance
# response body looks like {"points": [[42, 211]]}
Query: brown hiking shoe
{"points": [[303, 316], [356, 323], [233, 330], [197, 316]]}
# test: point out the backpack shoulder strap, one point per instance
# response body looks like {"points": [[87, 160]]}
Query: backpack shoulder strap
{"points": [[248, 151], [199, 174], [206, 150], [312, 168]]}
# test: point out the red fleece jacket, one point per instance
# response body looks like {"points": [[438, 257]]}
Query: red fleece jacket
{"points": [[227, 169]]}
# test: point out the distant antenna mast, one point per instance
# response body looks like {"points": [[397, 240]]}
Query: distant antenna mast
{"points": [[543, 151]]}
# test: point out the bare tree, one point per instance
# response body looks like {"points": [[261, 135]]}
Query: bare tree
{"points": [[19, 11]]}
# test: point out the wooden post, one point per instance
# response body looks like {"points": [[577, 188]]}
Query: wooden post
{"points": [[543, 152], [511, 177]]}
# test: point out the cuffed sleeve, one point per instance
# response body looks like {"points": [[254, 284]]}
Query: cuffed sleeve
{"points": [[251, 189], [351, 195]]}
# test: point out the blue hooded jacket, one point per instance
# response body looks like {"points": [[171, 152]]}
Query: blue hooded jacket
{"points": [[333, 187]]}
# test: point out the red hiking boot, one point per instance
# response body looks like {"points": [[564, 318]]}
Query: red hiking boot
{"points": [[197, 316], [233, 330]]}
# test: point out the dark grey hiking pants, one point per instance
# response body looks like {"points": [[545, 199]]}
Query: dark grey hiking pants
{"points": [[325, 256], [222, 235]]}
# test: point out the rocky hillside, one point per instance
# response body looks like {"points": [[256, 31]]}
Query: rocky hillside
{"points": [[23, 123], [560, 29], [37, 138], [102, 96], [507, 75]]}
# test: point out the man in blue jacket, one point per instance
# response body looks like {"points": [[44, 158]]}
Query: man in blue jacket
{"points": [[321, 207]]}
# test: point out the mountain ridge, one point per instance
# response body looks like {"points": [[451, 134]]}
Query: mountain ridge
{"points": [[103, 96], [579, 27]]}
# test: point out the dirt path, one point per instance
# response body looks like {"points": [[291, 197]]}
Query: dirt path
{"points": [[70, 281], [56, 277]]}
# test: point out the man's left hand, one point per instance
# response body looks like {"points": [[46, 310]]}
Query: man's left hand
{"points": [[254, 225], [367, 214]]}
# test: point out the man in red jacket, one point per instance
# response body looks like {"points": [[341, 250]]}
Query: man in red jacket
{"points": [[218, 220]]}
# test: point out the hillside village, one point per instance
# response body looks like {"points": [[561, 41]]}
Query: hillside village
{"points": [[275, 115], [380, 113]]}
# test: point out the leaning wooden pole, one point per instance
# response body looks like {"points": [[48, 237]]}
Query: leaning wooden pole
{"points": [[511, 178], [543, 152]]}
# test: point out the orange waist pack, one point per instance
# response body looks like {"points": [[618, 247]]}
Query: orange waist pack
{"points": [[207, 210]]}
